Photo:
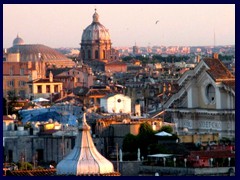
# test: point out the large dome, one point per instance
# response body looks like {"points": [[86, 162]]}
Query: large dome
{"points": [[96, 31], [32, 52], [18, 41]]}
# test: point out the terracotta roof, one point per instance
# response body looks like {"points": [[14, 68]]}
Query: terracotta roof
{"points": [[116, 63], [42, 172], [7, 118], [230, 83], [217, 70]]}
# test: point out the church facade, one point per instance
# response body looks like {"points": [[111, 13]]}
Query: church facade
{"points": [[205, 101]]}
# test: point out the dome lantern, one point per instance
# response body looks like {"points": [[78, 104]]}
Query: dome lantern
{"points": [[95, 16], [18, 41]]}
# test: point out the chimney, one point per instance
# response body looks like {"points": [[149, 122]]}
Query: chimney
{"points": [[50, 76], [215, 55]]}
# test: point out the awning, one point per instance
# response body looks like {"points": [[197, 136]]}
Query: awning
{"points": [[160, 155]]}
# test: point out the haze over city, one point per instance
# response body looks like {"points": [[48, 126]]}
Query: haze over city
{"points": [[61, 25]]}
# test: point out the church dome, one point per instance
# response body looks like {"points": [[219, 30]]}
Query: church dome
{"points": [[32, 52], [18, 41], [84, 159], [95, 31]]}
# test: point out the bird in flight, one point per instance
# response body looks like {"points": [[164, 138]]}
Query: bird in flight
{"points": [[156, 21]]}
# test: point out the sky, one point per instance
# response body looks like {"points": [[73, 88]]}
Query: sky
{"points": [[62, 25]]}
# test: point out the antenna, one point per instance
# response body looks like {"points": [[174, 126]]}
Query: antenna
{"points": [[214, 38]]}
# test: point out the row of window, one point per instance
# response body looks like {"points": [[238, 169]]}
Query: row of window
{"points": [[21, 71], [20, 83], [87, 55], [48, 90]]}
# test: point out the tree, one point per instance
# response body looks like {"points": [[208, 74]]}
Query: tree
{"points": [[167, 129], [145, 138], [130, 143]]}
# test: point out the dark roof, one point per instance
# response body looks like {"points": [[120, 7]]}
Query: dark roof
{"points": [[217, 70], [57, 71], [95, 92]]}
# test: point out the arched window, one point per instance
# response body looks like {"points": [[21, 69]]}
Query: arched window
{"points": [[104, 54], [89, 54], [83, 54], [96, 54]]}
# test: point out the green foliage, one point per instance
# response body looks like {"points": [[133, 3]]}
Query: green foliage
{"points": [[27, 125], [158, 148], [130, 143], [145, 138], [167, 129], [25, 166]]}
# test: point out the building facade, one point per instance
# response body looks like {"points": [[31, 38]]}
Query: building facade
{"points": [[116, 103], [205, 101]]}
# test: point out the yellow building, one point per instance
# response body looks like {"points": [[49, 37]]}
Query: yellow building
{"points": [[45, 87]]}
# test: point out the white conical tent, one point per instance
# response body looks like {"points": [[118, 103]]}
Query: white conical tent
{"points": [[40, 100], [163, 133], [84, 159]]}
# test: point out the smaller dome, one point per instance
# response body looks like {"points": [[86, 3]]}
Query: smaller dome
{"points": [[95, 31], [18, 41]]}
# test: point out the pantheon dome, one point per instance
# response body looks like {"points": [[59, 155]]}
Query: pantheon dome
{"points": [[35, 52]]}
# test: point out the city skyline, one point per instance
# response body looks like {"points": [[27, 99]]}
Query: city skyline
{"points": [[62, 25]]}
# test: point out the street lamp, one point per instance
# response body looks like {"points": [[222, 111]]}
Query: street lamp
{"points": [[185, 162], [211, 160], [174, 160], [229, 161], [164, 161]]}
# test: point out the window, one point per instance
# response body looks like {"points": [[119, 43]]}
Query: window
{"points": [[55, 88], [47, 88], [39, 88], [11, 71], [83, 54], [22, 83], [11, 83], [96, 54], [21, 71], [30, 88], [104, 54], [210, 93], [89, 54]]}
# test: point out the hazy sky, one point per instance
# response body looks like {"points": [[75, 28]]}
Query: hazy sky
{"points": [[62, 25]]}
